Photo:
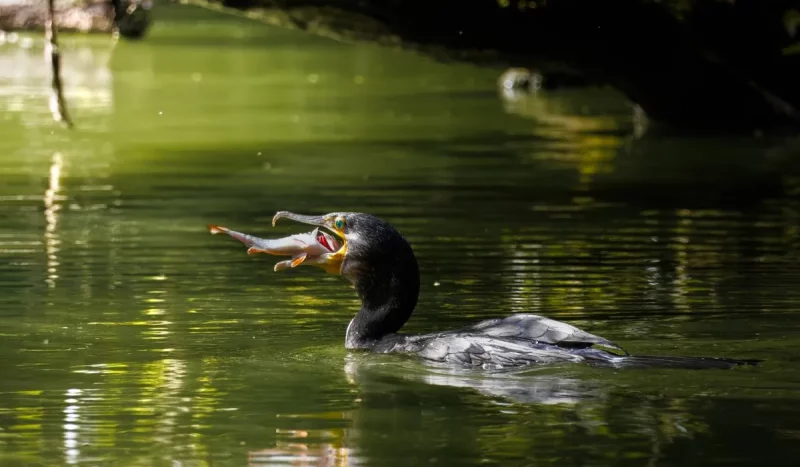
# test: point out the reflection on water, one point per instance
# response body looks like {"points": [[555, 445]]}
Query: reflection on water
{"points": [[26, 74], [51, 217], [293, 447], [532, 411], [524, 386], [134, 337]]}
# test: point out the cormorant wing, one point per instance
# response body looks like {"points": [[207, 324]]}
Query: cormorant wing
{"points": [[483, 351], [540, 329]]}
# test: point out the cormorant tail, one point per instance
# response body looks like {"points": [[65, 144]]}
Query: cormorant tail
{"points": [[688, 363]]}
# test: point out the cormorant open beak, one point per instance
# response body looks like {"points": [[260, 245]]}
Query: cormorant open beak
{"points": [[331, 262]]}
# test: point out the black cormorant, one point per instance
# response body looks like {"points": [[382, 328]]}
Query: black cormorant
{"points": [[381, 265]]}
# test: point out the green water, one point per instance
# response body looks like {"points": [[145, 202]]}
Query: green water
{"points": [[129, 336]]}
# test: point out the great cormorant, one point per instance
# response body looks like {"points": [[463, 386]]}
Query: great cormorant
{"points": [[381, 265]]}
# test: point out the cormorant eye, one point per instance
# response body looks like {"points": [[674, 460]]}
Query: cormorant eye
{"points": [[339, 223]]}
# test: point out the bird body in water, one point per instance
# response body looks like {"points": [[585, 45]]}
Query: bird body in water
{"points": [[381, 265]]}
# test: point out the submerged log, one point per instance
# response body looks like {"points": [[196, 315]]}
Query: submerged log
{"points": [[69, 15], [130, 17], [688, 63]]}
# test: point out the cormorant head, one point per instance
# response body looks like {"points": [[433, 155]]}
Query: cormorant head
{"points": [[379, 262]]}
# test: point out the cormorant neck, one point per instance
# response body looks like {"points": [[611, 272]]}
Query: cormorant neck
{"points": [[387, 282]]}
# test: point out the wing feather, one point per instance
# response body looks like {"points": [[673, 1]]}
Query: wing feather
{"points": [[541, 329]]}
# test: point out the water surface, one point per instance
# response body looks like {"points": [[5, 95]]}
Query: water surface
{"points": [[129, 336]]}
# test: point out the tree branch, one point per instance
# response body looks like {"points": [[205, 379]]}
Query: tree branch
{"points": [[58, 105]]}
